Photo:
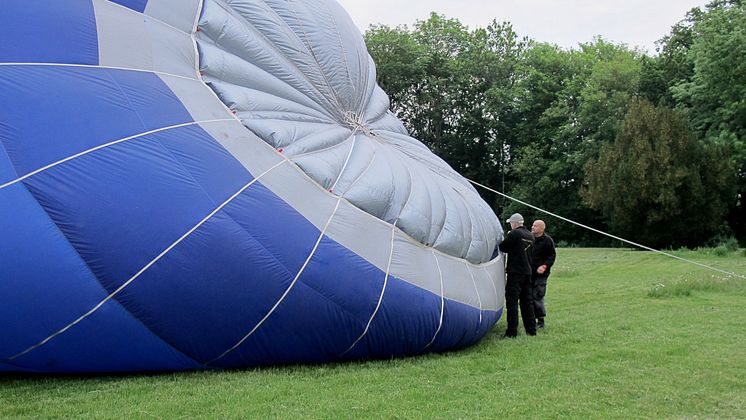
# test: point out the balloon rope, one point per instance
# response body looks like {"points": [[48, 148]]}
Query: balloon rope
{"points": [[708, 267]]}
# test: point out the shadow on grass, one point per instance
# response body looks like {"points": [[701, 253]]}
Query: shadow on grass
{"points": [[686, 286]]}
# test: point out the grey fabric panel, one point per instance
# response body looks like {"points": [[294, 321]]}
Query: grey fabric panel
{"points": [[459, 285], [490, 284], [289, 68], [335, 46], [263, 40], [132, 40], [374, 245], [378, 107], [243, 145], [497, 276], [201, 103], [415, 264], [181, 14], [234, 73], [302, 193], [305, 131]]}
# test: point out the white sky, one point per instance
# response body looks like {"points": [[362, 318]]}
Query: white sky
{"points": [[563, 22]]}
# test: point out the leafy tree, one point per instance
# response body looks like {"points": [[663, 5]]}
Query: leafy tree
{"points": [[656, 184], [715, 95], [572, 103], [673, 65]]}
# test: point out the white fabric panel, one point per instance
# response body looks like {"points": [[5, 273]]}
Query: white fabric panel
{"points": [[132, 40], [178, 13]]}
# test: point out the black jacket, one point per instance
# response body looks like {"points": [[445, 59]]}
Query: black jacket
{"points": [[517, 245], [543, 253]]}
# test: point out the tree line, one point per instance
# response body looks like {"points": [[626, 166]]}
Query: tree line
{"points": [[649, 147]]}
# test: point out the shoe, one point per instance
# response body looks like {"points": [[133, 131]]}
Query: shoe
{"points": [[540, 323], [510, 335]]}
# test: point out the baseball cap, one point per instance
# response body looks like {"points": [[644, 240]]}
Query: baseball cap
{"points": [[515, 218]]}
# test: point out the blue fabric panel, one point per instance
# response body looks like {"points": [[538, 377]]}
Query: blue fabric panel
{"points": [[350, 281], [45, 279], [405, 323], [136, 5], [217, 172], [310, 329], [50, 286], [346, 279], [234, 277], [237, 265], [489, 319], [109, 340], [49, 31], [322, 330], [210, 290], [121, 206], [327, 310], [9, 368], [460, 325], [7, 172], [51, 113], [277, 226]]}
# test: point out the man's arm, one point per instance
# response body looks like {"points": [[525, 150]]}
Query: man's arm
{"points": [[552, 254], [507, 243]]}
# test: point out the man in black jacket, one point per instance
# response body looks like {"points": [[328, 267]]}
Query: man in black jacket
{"points": [[543, 255], [517, 245]]}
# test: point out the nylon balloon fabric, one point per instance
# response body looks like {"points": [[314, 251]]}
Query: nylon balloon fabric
{"points": [[191, 184]]}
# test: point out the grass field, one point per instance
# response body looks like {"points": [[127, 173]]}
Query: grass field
{"points": [[630, 334]]}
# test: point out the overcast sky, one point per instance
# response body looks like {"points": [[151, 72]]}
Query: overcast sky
{"points": [[562, 22]]}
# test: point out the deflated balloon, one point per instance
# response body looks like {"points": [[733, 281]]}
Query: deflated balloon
{"points": [[191, 184]]}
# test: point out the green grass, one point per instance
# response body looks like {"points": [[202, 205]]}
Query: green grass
{"points": [[630, 334]]}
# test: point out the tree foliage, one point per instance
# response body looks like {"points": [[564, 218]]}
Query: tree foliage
{"points": [[656, 184]]}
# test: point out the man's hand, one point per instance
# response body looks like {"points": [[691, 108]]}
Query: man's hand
{"points": [[541, 269]]}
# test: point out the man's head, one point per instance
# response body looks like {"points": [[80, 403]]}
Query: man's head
{"points": [[538, 227], [516, 220]]}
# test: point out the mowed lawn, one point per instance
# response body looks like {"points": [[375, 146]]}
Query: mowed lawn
{"points": [[630, 334]]}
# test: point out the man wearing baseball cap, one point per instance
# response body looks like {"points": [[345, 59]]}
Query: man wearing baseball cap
{"points": [[517, 244]]}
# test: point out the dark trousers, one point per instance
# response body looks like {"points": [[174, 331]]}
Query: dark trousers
{"points": [[518, 290], [540, 290]]}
